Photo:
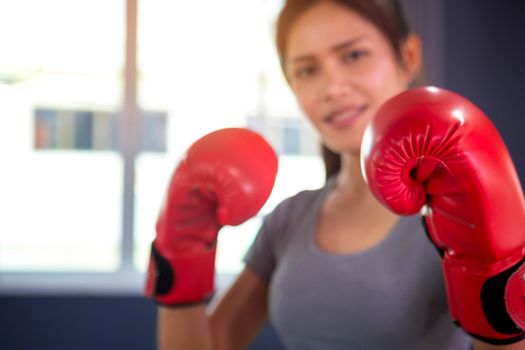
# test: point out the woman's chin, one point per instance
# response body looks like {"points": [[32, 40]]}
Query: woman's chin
{"points": [[344, 148]]}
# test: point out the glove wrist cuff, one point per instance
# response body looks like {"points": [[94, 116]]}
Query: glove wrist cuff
{"points": [[180, 279], [477, 300]]}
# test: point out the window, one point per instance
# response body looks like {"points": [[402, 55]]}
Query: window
{"points": [[61, 205], [83, 177]]}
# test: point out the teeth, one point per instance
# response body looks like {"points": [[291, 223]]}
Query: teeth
{"points": [[342, 115]]}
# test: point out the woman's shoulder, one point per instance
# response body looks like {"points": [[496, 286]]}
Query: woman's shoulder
{"points": [[293, 208], [300, 201]]}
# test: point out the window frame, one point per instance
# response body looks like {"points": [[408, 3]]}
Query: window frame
{"points": [[127, 280]]}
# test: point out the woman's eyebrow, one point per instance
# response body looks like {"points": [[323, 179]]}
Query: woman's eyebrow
{"points": [[337, 47], [347, 44]]}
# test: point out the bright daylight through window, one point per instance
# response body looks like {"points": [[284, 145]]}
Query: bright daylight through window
{"points": [[63, 125]]}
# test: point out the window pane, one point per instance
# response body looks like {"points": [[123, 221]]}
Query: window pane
{"points": [[61, 179], [212, 64]]}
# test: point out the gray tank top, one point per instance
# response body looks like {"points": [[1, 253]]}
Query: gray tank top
{"points": [[391, 296]]}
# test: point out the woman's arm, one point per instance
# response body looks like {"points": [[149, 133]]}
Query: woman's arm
{"points": [[478, 345], [183, 327], [231, 322]]}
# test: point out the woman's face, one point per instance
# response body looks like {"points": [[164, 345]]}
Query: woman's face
{"points": [[341, 69]]}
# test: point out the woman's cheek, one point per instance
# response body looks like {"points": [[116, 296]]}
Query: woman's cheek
{"points": [[307, 103]]}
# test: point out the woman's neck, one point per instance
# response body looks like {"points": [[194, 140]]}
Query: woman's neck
{"points": [[352, 188], [352, 219], [350, 178]]}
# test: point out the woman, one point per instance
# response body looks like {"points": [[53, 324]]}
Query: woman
{"points": [[332, 268]]}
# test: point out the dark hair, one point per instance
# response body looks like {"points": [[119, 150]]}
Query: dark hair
{"points": [[386, 15]]}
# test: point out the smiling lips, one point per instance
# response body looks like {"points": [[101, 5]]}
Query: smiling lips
{"points": [[344, 117]]}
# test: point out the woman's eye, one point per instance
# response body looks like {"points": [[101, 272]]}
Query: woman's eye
{"points": [[305, 72], [354, 55]]}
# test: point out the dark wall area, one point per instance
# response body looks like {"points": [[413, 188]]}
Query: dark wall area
{"points": [[87, 323], [63, 323], [484, 61]]}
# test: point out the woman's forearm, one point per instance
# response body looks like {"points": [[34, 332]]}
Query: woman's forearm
{"points": [[184, 327], [484, 346]]}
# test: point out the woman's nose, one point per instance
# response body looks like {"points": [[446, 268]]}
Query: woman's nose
{"points": [[336, 83]]}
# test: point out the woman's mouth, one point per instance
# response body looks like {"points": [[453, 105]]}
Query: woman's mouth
{"points": [[344, 117]]}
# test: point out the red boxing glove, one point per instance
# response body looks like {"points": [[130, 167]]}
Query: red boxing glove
{"points": [[433, 151], [224, 179]]}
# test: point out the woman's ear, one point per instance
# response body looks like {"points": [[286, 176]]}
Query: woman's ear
{"points": [[412, 55]]}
